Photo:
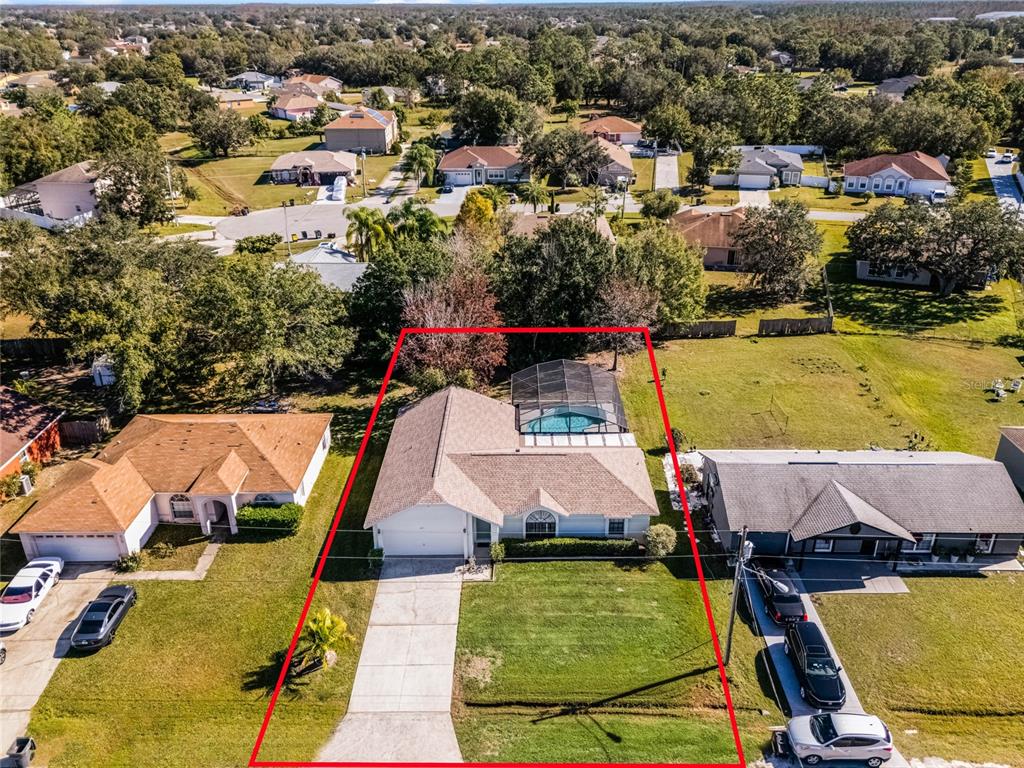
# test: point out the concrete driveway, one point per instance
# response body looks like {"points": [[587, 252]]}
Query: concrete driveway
{"points": [[400, 707], [666, 172], [755, 197], [1005, 184], [34, 652]]}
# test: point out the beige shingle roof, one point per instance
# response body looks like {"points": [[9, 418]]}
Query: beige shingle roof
{"points": [[610, 124], [461, 448], [483, 157], [917, 165], [712, 230]]}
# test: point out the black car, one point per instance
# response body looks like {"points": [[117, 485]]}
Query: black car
{"points": [[781, 599], [447, 188], [102, 617], [820, 684]]}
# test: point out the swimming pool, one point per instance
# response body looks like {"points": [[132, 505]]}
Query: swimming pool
{"points": [[561, 423]]}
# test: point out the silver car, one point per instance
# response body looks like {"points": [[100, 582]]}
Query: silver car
{"points": [[839, 736]]}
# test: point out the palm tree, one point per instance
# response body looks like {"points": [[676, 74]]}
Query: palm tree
{"points": [[325, 634], [532, 192], [413, 219], [497, 196], [420, 161], [367, 231]]}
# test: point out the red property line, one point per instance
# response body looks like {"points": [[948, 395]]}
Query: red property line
{"points": [[254, 762]]}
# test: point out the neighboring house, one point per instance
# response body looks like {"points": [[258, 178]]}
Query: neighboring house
{"points": [[313, 167], [29, 431], [760, 165], [620, 168], [617, 130], [362, 129], [896, 88], [336, 266], [464, 470], [1010, 453], [321, 84], [714, 232], [109, 86], [252, 81], [294, 106], [532, 224], [234, 100], [407, 96], [482, 165], [906, 175], [299, 88], [30, 80], [782, 58], [871, 503], [67, 195], [187, 468]]}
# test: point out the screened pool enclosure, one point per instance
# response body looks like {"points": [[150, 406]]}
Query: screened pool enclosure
{"points": [[565, 396]]}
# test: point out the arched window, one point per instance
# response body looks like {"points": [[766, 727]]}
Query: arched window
{"points": [[181, 507], [540, 524], [264, 500]]}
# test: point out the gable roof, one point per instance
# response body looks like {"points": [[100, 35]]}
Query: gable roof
{"points": [[917, 165], [22, 420], [320, 160], [529, 224], [768, 161], [362, 118], [610, 124], [894, 491], [1015, 435], [79, 173], [462, 448], [712, 230], [483, 157], [616, 153], [290, 100]]}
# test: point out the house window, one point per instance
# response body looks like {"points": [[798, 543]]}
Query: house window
{"points": [[617, 527], [876, 184], [181, 507], [540, 524], [863, 183], [922, 543], [888, 185], [901, 185], [984, 543], [264, 500], [823, 545]]}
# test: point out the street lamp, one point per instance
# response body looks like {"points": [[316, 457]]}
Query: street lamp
{"points": [[746, 549]]}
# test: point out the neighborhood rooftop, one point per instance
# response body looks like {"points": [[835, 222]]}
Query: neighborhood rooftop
{"points": [[917, 165]]}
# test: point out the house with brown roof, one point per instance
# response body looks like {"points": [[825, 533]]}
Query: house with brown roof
{"points": [[463, 470], [320, 84], [714, 232], [617, 130], [182, 468], [532, 224], [316, 167], [29, 431], [1010, 452], [483, 165], [293, 106], [619, 169], [912, 174], [362, 129]]}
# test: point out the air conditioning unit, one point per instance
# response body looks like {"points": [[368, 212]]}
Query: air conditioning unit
{"points": [[26, 484]]}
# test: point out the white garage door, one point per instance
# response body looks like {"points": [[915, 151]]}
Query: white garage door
{"points": [[96, 548], [460, 178], [423, 542], [752, 181], [429, 529]]}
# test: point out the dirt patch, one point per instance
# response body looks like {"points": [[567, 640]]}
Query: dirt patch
{"points": [[478, 669]]}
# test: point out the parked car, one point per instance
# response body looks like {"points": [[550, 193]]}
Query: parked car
{"points": [[781, 599], [21, 598], [820, 684], [102, 617], [938, 197], [642, 152], [1006, 158], [990, 152], [834, 736], [447, 188]]}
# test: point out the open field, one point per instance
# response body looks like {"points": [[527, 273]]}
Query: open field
{"points": [[944, 661]]}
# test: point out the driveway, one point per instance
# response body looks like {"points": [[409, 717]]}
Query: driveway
{"points": [[755, 197], [291, 221], [666, 172], [1007, 190], [400, 707], [34, 652]]}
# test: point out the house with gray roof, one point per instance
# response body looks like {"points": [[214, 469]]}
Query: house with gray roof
{"points": [[336, 266], [253, 81], [876, 504], [464, 470], [1010, 452], [760, 165]]}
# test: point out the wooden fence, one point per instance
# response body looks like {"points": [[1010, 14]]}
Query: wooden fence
{"points": [[794, 326], [703, 329], [84, 431], [31, 348]]}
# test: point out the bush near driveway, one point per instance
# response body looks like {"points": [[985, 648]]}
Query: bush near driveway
{"points": [[518, 549], [282, 520]]}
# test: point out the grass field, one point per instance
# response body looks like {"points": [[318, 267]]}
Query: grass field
{"points": [[943, 661]]}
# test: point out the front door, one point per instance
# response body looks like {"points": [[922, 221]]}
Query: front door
{"points": [[481, 532], [218, 511], [867, 546], [479, 176]]}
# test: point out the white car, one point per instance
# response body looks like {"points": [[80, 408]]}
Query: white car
{"points": [[21, 598], [1006, 158], [990, 152], [839, 736]]}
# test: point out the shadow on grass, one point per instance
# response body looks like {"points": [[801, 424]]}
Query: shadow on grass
{"points": [[264, 678]]}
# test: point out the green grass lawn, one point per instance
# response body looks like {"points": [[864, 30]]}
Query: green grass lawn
{"points": [[944, 660], [819, 199], [187, 543], [981, 181], [644, 169], [171, 228]]}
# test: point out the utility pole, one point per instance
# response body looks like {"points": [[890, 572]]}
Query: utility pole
{"points": [[287, 234], [170, 192], [742, 555], [363, 156]]}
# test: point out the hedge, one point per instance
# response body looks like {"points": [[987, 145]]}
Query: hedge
{"points": [[567, 547], [283, 519]]}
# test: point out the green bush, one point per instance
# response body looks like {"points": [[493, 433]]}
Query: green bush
{"points": [[497, 552], [375, 558], [9, 486], [689, 473], [282, 519], [31, 469], [429, 380], [569, 547], [465, 378], [129, 563], [661, 540], [162, 550]]}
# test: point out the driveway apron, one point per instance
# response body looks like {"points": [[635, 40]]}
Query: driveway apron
{"points": [[400, 707]]}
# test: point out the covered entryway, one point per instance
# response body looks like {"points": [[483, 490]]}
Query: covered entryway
{"points": [[83, 548]]}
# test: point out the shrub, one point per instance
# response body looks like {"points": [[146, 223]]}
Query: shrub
{"points": [[465, 378], [9, 486], [282, 520], [497, 552], [661, 541], [569, 547], [375, 558], [162, 550], [429, 380], [678, 438], [31, 469], [689, 473], [129, 563]]}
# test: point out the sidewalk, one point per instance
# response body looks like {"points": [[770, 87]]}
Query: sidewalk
{"points": [[196, 574]]}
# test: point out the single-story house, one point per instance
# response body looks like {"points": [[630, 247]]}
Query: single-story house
{"points": [[873, 503], [407, 96], [30, 431], [906, 175], [1010, 452], [464, 470], [109, 86], [305, 89], [182, 468], [317, 167], [336, 266], [760, 165], [322, 84], [619, 169], [62, 196], [715, 232], [531, 224], [362, 129], [30, 80], [234, 100], [293, 106], [482, 165], [782, 58], [617, 130], [252, 81], [896, 88]]}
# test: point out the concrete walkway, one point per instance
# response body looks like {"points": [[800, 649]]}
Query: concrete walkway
{"points": [[666, 172], [400, 707], [196, 574]]}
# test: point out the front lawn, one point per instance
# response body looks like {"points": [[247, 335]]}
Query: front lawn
{"points": [[184, 545], [942, 665], [816, 198]]}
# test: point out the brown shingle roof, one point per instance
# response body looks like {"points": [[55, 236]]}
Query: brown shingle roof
{"points": [[529, 224], [462, 448], [712, 230], [1014, 434], [610, 124], [917, 165], [362, 118], [295, 101], [615, 152], [483, 157], [21, 422]]}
